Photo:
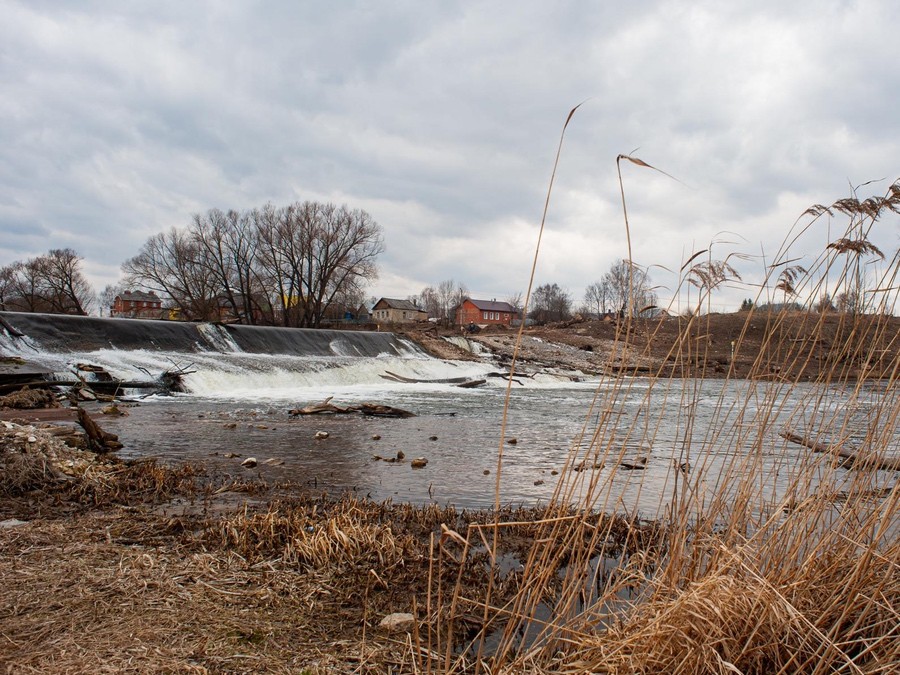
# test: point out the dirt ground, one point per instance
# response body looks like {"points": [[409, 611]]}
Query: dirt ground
{"points": [[791, 346]]}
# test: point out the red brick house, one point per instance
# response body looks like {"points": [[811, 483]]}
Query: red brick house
{"points": [[485, 313], [138, 305]]}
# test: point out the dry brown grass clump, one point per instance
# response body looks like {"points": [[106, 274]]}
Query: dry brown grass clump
{"points": [[53, 476]]}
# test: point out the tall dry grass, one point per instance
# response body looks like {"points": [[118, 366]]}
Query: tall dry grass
{"points": [[778, 514]]}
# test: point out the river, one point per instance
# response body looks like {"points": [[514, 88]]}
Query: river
{"points": [[627, 444]]}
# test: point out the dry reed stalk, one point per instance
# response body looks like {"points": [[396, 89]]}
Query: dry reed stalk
{"points": [[772, 559]]}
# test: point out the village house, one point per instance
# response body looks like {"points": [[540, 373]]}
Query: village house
{"points": [[389, 310], [137, 305], [485, 313]]}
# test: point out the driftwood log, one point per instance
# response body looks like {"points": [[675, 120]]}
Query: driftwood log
{"points": [[323, 408], [376, 410], [99, 441], [326, 407], [851, 457], [464, 382]]}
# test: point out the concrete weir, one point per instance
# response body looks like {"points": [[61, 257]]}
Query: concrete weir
{"points": [[59, 333]]}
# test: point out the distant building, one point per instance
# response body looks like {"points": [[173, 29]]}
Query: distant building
{"points": [[363, 314], [389, 310], [138, 305], [485, 313]]}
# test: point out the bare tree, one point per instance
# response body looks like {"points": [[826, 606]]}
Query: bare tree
{"points": [[622, 277], [170, 264], [516, 301], [52, 283], [228, 244], [107, 297], [848, 302], [448, 296], [824, 304], [345, 245], [8, 283], [550, 303], [430, 302], [596, 298], [293, 265]]}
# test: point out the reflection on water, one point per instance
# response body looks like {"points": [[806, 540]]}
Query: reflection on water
{"points": [[690, 435]]}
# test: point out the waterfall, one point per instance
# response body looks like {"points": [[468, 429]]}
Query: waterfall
{"points": [[225, 360]]}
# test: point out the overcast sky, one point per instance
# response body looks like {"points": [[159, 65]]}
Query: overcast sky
{"points": [[121, 119]]}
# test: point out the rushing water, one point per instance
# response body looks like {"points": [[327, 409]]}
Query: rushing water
{"points": [[243, 382]]}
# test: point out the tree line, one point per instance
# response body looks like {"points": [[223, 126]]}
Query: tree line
{"points": [[625, 287], [51, 283], [301, 264], [286, 266], [275, 266]]}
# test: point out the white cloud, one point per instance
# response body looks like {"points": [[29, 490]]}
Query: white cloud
{"points": [[118, 121]]}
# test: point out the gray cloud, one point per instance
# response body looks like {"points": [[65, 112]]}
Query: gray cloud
{"points": [[118, 121]]}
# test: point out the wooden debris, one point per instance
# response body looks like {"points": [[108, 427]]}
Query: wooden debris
{"points": [[376, 410], [851, 457], [26, 399], [323, 408], [464, 382], [371, 409], [99, 441], [637, 465]]}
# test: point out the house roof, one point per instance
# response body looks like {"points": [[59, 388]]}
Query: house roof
{"points": [[492, 305], [140, 296], [399, 304]]}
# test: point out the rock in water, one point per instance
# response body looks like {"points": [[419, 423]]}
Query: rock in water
{"points": [[418, 462], [250, 462], [320, 435]]}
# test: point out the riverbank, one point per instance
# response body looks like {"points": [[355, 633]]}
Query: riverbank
{"points": [[791, 346], [776, 554], [114, 566]]}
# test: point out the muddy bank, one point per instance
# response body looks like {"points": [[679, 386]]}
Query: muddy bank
{"points": [[785, 345], [136, 565]]}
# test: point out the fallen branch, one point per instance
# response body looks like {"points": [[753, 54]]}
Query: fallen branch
{"points": [[323, 408], [851, 457], [371, 409], [99, 441]]}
